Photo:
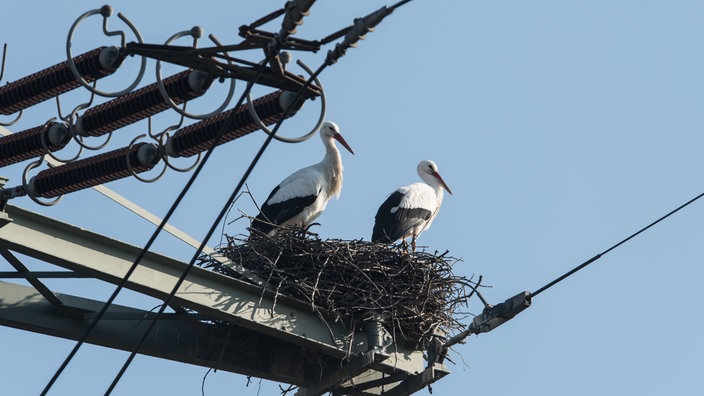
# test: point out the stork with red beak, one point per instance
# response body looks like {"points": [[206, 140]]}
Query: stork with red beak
{"points": [[303, 196], [410, 210]]}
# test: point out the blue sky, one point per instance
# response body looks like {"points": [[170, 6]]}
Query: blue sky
{"points": [[561, 129]]}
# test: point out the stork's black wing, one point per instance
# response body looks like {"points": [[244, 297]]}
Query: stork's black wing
{"points": [[278, 213], [393, 221]]}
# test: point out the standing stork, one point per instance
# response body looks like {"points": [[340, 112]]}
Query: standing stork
{"points": [[301, 198], [410, 210]]}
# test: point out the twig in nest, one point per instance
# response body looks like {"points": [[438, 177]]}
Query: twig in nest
{"points": [[347, 280]]}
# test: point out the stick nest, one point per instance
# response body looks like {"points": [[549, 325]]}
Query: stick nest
{"points": [[415, 293]]}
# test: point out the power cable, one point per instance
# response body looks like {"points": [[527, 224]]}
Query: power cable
{"points": [[202, 385], [210, 232], [358, 30], [598, 256], [494, 315], [151, 240], [361, 27]]}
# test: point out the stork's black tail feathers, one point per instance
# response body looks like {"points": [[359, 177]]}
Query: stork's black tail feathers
{"points": [[379, 235], [262, 224]]}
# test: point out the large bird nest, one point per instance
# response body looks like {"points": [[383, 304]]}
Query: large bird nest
{"points": [[415, 293]]}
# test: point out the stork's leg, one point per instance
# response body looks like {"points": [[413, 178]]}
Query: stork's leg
{"points": [[404, 245], [413, 243]]}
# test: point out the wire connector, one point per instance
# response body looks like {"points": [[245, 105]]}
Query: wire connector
{"points": [[495, 315], [357, 32], [491, 317]]}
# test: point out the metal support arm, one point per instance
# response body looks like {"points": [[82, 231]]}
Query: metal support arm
{"points": [[204, 59], [305, 351], [176, 338]]}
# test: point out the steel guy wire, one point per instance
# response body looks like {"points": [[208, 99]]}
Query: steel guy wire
{"points": [[598, 256]]}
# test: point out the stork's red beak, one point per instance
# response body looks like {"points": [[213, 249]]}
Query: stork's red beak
{"points": [[342, 141], [442, 182]]}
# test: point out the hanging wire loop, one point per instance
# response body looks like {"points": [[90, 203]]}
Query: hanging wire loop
{"points": [[105, 12], [321, 118]]}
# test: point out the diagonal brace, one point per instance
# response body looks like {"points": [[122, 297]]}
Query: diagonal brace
{"points": [[356, 366], [36, 283]]}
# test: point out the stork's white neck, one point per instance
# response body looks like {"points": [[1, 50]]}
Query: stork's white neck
{"points": [[430, 180], [332, 167], [433, 182]]}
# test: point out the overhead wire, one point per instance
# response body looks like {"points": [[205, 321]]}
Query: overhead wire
{"points": [[210, 232], [598, 256], [227, 205], [151, 240], [170, 212], [202, 385], [234, 194]]}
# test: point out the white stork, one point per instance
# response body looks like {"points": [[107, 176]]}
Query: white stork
{"points": [[410, 210], [302, 197]]}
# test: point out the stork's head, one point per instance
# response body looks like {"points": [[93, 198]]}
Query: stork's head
{"points": [[330, 131], [428, 171]]}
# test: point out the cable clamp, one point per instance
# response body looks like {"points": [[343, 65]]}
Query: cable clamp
{"points": [[495, 315]]}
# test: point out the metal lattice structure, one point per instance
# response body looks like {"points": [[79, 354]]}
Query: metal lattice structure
{"points": [[268, 336], [286, 342]]}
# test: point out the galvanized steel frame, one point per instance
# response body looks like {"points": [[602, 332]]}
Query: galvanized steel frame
{"points": [[296, 336]]}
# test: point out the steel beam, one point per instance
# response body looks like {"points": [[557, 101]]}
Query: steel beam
{"points": [[419, 381], [204, 291], [41, 275], [352, 369], [176, 339], [294, 327]]}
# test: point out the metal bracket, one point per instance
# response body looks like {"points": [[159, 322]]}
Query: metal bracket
{"points": [[418, 381], [353, 368], [378, 338], [255, 38], [205, 59], [495, 315], [491, 317]]}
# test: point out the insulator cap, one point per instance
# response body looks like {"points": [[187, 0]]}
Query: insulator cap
{"points": [[58, 79], [357, 32], [295, 11], [90, 172], [33, 142]]}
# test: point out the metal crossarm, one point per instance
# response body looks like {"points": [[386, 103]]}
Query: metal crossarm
{"points": [[23, 308], [40, 275], [205, 59], [286, 340], [204, 291]]}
